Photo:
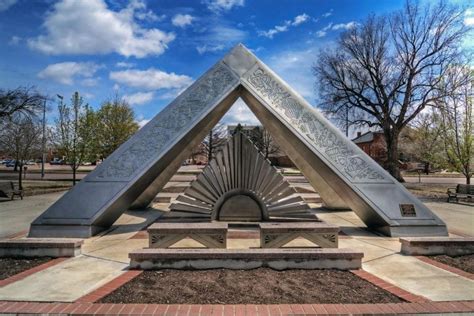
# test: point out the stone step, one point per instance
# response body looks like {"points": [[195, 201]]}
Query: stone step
{"points": [[165, 197], [40, 247], [244, 259], [431, 246]]}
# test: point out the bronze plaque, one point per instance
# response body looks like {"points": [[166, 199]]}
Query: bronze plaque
{"points": [[407, 210]]}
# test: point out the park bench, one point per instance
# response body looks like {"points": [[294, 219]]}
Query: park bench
{"points": [[9, 190], [461, 191], [275, 235], [211, 235]]}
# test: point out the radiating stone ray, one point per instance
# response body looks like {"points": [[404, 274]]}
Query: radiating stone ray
{"points": [[240, 184]]}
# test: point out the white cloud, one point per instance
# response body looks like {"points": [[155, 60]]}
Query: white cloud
{"points": [[300, 19], [294, 66], [336, 27], [14, 40], [67, 72], [150, 79], [139, 98], [90, 27], [240, 113], [142, 122], [6, 4], [324, 30], [285, 26], [181, 20], [209, 48], [123, 64], [219, 37], [90, 82], [469, 17], [327, 14], [344, 26], [219, 6]]}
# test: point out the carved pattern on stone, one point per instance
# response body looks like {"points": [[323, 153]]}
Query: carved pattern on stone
{"points": [[307, 123], [330, 237], [164, 128], [270, 238], [155, 239], [217, 237]]}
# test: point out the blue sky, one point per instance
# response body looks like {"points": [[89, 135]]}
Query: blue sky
{"points": [[149, 51]]}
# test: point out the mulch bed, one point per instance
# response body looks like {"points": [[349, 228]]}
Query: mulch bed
{"points": [[465, 263], [258, 286], [11, 266]]}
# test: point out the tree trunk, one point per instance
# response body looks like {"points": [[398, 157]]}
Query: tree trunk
{"points": [[468, 180], [209, 154], [20, 174], [74, 176], [392, 164]]}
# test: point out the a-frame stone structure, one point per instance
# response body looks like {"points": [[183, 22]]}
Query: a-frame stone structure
{"points": [[344, 175]]}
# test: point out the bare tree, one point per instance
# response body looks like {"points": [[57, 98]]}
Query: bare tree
{"points": [[72, 134], [457, 126], [214, 141], [20, 137], [387, 69], [264, 141], [22, 100]]}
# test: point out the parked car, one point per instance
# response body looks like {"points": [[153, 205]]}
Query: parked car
{"points": [[56, 162], [11, 164]]}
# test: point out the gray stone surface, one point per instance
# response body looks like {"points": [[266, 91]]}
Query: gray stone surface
{"points": [[211, 235], [280, 259], [274, 235], [430, 246], [341, 172], [40, 247]]}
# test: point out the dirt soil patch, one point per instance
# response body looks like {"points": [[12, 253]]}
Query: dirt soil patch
{"points": [[465, 263], [258, 286], [12, 266]]}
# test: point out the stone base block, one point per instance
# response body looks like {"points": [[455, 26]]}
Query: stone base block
{"points": [[413, 230], [64, 231], [211, 235], [245, 259], [275, 235], [40, 247], [431, 246]]}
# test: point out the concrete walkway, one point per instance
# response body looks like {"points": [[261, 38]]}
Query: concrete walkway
{"points": [[16, 215], [104, 258], [382, 258]]}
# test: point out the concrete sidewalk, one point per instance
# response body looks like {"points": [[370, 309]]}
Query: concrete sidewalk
{"points": [[16, 215], [104, 258], [383, 259]]}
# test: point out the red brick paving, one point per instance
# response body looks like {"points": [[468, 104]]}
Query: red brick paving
{"points": [[300, 309], [395, 290], [446, 267], [24, 274]]}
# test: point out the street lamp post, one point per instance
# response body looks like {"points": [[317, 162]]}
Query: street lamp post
{"points": [[43, 158]]}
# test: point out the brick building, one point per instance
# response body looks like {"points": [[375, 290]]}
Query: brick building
{"points": [[373, 144]]}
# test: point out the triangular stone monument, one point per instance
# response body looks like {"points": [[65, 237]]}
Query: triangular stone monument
{"points": [[343, 174]]}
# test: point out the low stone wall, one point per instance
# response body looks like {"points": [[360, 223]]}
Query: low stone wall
{"points": [[40, 247], [245, 259], [430, 246]]}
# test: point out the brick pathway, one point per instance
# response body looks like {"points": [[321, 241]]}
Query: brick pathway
{"points": [[86, 306], [299, 309]]}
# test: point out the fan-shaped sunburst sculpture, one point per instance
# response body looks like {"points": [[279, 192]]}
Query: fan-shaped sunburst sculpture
{"points": [[239, 184]]}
